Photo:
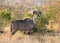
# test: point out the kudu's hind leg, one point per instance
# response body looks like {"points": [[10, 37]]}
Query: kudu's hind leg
{"points": [[13, 31], [14, 28]]}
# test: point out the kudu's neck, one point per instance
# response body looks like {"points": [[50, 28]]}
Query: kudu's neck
{"points": [[35, 18]]}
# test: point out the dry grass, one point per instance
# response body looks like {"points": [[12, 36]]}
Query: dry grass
{"points": [[21, 38]]}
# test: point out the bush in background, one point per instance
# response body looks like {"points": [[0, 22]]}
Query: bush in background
{"points": [[5, 18]]}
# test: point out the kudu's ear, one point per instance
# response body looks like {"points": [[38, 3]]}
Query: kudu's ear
{"points": [[34, 12]]}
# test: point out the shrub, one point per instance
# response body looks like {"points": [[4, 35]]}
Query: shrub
{"points": [[5, 18], [42, 21], [50, 14]]}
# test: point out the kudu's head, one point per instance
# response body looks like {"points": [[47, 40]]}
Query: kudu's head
{"points": [[37, 13]]}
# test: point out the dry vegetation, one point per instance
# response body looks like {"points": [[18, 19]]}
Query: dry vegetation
{"points": [[18, 11], [21, 38]]}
